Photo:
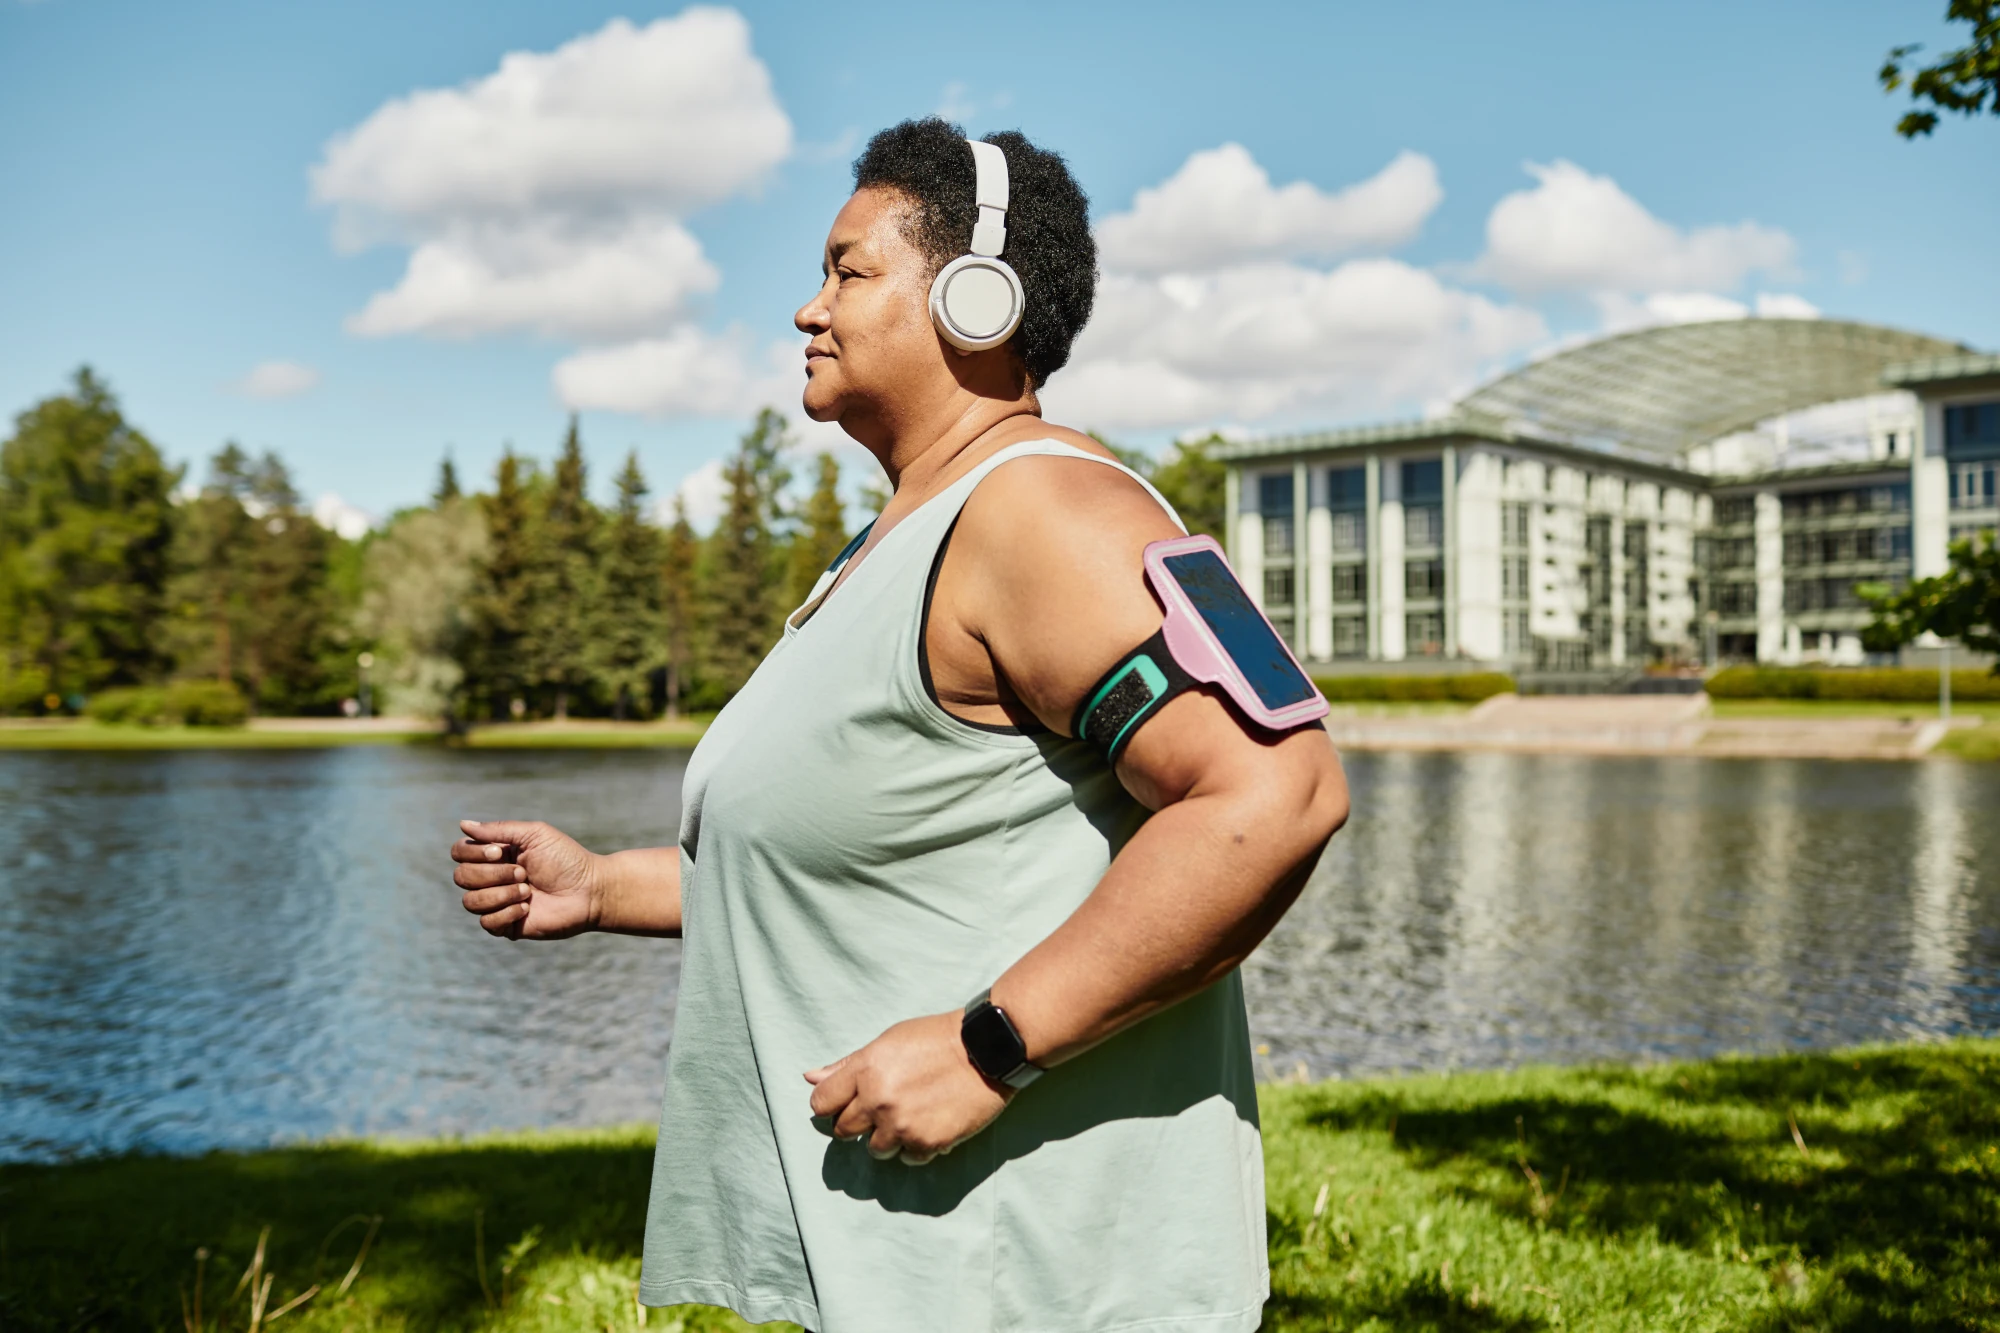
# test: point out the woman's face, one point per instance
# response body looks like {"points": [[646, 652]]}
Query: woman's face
{"points": [[872, 345]]}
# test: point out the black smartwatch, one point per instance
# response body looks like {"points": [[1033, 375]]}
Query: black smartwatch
{"points": [[994, 1047]]}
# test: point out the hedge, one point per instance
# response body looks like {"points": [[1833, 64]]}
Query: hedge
{"points": [[185, 703], [1469, 688], [1886, 684]]}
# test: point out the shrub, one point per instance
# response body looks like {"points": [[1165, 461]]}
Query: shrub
{"points": [[1880, 684], [135, 705], [1469, 687], [206, 703], [191, 703]]}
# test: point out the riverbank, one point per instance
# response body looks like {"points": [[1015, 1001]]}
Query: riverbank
{"points": [[308, 733], [1723, 729], [1853, 1190]]}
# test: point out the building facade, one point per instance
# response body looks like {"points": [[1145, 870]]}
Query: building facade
{"points": [[1685, 495]]}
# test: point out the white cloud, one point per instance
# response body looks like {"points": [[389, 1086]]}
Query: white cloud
{"points": [[277, 379], [336, 515], [1622, 313], [1221, 208], [549, 195], [703, 492], [1581, 233], [1256, 342], [685, 372], [1785, 305]]}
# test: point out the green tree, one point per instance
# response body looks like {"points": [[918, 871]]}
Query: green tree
{"points": [[1962, 604], [821, 535], [420, 583], [447, 487], [740, 604], [85, 523], [679, 601], [492, 651], [631, 641], [1965, 81], [564, 602], [1192, 480], [252, 589]]}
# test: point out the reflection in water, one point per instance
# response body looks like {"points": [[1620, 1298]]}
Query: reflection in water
{"points": [[238, 947], [1489, 909]]}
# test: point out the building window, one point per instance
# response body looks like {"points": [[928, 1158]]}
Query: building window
{"points": [[1350, 530], [1350, 583], [1423, 634], [1514, 524], [1423, 580], [1278, 592], [1346, 488], [1731, 510], [1350, 636], [1274, 502], [1513, 578], [1423, 526], [1971, 430], [1423, 482], [1972, 486], [1514, 633]]}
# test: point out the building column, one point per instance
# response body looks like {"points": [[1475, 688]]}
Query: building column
{"points": [[1301, 557], [1395, 647], [1232, 497], [1617, 576], [1930, 498], [1770, 539], [1450, 550], [1372, 548]]}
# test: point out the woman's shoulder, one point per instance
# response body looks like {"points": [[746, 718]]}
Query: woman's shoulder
{"points": [[1057, 506]]}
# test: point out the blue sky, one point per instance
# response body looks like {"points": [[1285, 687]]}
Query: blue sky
{"points": [[162, 222]]}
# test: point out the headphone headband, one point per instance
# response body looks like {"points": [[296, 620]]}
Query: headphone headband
{"points": [[989, 165]]}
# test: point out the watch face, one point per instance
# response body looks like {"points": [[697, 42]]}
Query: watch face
{"points": [[990, 1040]]}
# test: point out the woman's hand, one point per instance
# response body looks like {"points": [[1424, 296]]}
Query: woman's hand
{"points": [[525, 880], [912, 1091]]}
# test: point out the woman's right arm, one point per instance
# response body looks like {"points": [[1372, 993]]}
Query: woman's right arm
{"points": [[525, 880]]}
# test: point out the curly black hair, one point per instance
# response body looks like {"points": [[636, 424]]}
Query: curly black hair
{"points": [[1049, 243]]}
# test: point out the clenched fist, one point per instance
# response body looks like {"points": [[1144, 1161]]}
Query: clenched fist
{"points": [[527, 881]]}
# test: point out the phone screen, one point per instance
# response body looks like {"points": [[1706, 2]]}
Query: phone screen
{"points": [[1240, 627]]}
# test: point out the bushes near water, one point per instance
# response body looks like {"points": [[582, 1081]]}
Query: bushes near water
{"points": [[1855, 684], [184, 703], [1468, 688]]}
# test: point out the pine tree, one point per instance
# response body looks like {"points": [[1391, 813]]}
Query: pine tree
{"points": [[678, 602], [821, 535], [85, 523], [447, 487], [493, 649], [740, 606], [631, 640], [563, 604]]}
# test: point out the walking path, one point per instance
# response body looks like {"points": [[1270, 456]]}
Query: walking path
{"points": [[1639, 724]]}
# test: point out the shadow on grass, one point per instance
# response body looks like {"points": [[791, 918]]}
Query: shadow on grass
{"points": [[1892, 1202], [1411, 1308], [110, 1244]]}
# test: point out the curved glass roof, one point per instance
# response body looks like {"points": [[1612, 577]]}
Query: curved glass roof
{"points": [[1660, 391]]}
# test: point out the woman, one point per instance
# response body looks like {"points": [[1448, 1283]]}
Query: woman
{"points": [[894, 817]]}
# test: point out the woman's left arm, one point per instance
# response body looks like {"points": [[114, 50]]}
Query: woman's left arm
{"points": [[1054, 592]]}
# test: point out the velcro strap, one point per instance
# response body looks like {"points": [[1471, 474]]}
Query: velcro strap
{"points": [[1127, 695]]}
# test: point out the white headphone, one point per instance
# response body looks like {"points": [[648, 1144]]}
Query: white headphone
{"points": [[976, 301]]}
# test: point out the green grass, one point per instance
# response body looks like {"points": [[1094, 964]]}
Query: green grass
{"points": [[83, 734], [1671, 1198]]}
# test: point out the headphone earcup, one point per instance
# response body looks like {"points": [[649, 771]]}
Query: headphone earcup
{"points": [[976, 302]]}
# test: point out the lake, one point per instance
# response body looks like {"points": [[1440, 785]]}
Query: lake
{"points": [[236, 948]]}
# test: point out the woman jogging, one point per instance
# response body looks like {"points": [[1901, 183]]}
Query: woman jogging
{"points": [[966, 869]]}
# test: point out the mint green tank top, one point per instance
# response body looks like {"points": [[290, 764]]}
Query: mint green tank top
{"points": [[851, 856]]}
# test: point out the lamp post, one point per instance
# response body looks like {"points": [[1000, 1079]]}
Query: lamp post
{"points": [[365, 661]]}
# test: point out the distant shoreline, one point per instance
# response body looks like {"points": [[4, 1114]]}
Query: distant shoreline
{"points": [[313, 733]]}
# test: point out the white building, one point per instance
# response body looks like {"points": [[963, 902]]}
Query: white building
{"points": [[1684, 494]]}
